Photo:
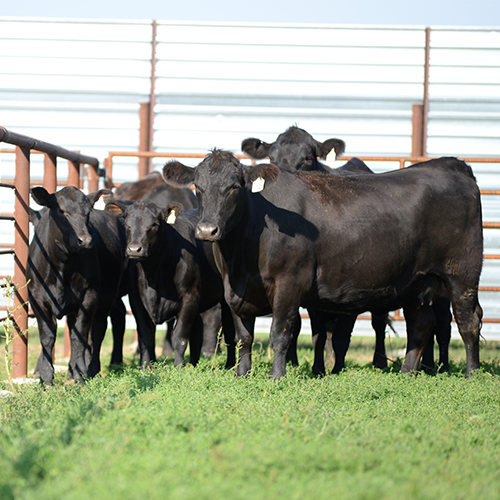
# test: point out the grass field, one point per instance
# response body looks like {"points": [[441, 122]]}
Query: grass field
{"points": [[201, 433]]}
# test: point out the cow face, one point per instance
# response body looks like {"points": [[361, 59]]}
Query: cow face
{"points": [[69, 214], [222, 184], [143, 224], [295, 149]]}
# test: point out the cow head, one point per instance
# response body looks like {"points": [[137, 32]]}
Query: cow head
{"points": [[69, 211], [295, 149], [143, 222], [222, 183]]}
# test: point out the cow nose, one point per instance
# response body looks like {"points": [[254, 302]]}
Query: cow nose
{"points": [[205, 231], [84, 242], [134, 251]]}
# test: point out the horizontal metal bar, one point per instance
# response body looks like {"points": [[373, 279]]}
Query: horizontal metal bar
{"points": [[28, 142], [11, 186], [7, 252]]}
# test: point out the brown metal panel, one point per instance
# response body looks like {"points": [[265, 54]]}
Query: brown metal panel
{"points": [[21, 242]]}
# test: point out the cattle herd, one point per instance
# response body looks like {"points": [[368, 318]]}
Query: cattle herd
{"points": [[261, 240]]}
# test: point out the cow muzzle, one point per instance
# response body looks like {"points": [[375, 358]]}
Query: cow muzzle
{"points": [[84, 242], [135, 252], [208, 232]]}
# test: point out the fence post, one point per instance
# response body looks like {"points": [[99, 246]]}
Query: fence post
{"points": [[50, 172], [93, 179], [144, 144], [74, 174], [21, 243], [417, 130]]}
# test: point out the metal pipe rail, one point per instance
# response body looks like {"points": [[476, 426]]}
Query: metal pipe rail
{"points": [[21, 186]]}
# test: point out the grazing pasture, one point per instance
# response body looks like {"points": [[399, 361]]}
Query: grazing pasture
{"points": [[200, 433]]}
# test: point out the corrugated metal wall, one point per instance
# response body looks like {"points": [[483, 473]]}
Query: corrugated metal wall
{"points": [[79, 84]]}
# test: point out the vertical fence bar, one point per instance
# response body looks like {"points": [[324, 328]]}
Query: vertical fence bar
{"points": [[74, 174], [21, 242], [50, 172], [417, 130], [93, 179], [144, 144]]}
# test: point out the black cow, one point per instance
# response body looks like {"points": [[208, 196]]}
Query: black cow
{"points": [[342, 244], [171, 274], [136, 190], [296, 150], [155, 189], [75, 266]]}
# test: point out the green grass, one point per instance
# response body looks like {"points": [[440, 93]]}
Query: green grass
{"points": [[201, 433]]}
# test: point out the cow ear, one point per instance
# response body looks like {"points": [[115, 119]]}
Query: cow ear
{"points": [[261, 176], [323, 148], [178, 175], [43, 197], [101, 195], [116, 208], [255, 148], [171, 213]]}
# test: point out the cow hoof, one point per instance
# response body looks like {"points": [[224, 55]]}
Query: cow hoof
{"points": [[380, 362]]}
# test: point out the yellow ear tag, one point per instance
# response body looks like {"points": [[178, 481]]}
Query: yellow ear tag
{"points": [[258, 185], [171, 218]]}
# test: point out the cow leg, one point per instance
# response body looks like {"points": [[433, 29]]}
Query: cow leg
{"points": [[291, 353], [318, 329], [468, 314], [182, 328], [196, 340], [427, 363], [145, 331], [442, 330], [47, 328], [99, 326], [229, 334], [79, 327], [167, 350], [117, 314], [379, 323], [342, 339], [244, 331], [280, 337], [211, 327], [419, 323]]}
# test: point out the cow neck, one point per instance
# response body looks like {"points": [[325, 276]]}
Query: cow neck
{"points": [[153, 264], [53, 251], [236, 236]]}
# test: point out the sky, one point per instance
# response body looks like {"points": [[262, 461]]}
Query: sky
{"points": [[372, 12]]}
